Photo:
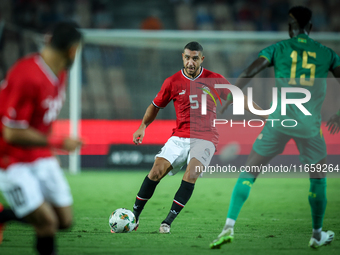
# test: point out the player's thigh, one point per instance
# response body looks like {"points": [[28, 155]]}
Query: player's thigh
{"points": [[175, 151], [270, 142], [255, 159], [200, 155], [52, 180], [21, 189], [313, 151], [160, 168]]}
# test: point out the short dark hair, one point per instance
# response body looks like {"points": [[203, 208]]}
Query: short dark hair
{"points": [[194, 46], [64, 34], [302, 15]]}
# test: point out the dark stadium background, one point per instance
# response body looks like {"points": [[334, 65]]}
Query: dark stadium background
{"points": [[120, 82]]}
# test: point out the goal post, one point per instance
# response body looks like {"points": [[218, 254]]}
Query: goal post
{"points": [[75, 109]]}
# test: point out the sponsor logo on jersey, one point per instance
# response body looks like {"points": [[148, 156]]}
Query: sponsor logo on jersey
{"points": [[53, 106], [183, 92]]}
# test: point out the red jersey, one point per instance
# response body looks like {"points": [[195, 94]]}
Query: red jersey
{"points": [[30, 96], [186, 93]]}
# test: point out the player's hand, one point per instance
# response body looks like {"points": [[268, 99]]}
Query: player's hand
{"points": [[333, 124], [70, 144], [226, 105], [138, 136]]}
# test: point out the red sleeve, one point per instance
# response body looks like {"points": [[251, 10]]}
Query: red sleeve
{"points": [[19, 105], [164, 95]]}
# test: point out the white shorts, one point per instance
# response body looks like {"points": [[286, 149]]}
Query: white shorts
{"points": [[179, 151], [26, 186]]}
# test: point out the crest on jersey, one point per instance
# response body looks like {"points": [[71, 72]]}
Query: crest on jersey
{"points": [[206, 90]]}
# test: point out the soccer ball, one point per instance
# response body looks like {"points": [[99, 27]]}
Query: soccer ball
{"points": [[122, 221]]}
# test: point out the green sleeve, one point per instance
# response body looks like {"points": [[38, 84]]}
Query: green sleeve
{"points": [[335, 61], [268, 53]]}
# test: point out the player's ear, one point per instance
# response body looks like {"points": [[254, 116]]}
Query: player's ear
{"points": [[202, 58]]}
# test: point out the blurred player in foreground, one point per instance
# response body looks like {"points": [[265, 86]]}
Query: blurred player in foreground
{"points": [[294, 60], [31, 179], [193, 140]]}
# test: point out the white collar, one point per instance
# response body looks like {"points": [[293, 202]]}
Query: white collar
{"points": [[192, 79], [46, 70]]}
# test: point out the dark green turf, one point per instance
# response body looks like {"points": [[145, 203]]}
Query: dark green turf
{"points": [[275, 219]]}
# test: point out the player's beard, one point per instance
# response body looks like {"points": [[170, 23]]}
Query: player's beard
{"points": [[191, 72]]}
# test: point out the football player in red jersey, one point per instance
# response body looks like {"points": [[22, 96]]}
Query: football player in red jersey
{"points": [[193, 140], [31, 97]]}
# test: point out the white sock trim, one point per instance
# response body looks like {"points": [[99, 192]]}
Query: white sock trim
{"points": [[317, 230], [230, 222]]}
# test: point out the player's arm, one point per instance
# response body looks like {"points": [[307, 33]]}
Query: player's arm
{"points": [[149, 116], [257, 66], [33, 138], [163, 97], [333, 123]]}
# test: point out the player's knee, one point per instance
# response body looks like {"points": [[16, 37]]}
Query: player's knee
{"points": [[155, 175], [157, 172], [47, 225], [66, 224]]}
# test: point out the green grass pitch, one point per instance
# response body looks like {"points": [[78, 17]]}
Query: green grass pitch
{"points": [[275, 219]]}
